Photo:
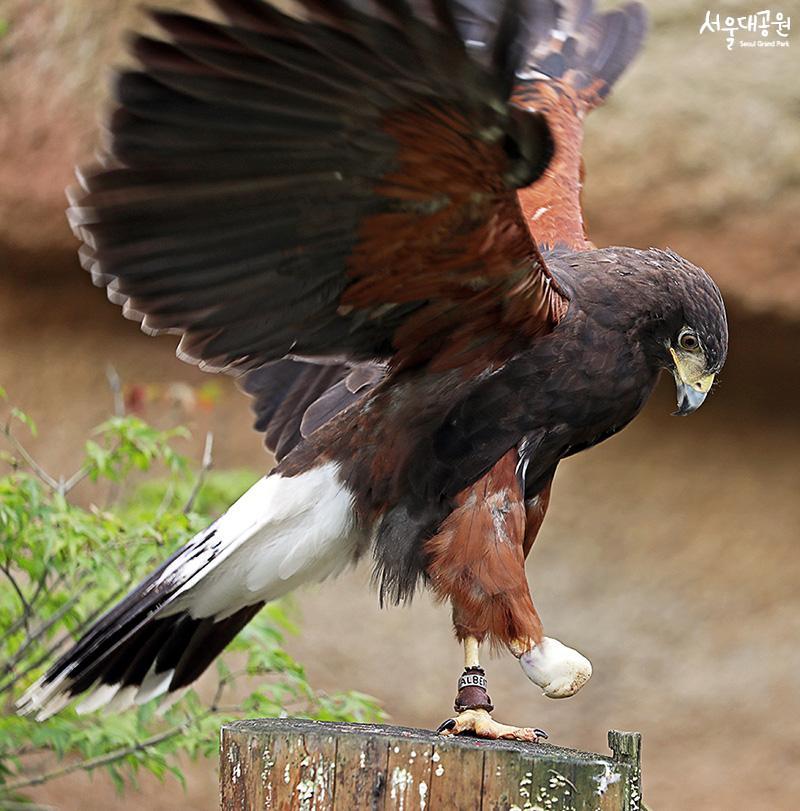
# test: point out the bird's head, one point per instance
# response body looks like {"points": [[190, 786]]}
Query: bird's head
{"points": [[692, 368], [669, 307], [691, 332]]}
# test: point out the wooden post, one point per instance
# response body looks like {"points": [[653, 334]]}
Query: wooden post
{"points": [[294, 765]]}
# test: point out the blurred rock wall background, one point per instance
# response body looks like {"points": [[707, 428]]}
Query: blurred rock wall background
{"points": [[670, 554]]}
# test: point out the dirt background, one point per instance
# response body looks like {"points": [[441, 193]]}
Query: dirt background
{"points": [[670, 553]]}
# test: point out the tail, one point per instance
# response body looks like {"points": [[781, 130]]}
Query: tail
{"points": [[160, 638]]}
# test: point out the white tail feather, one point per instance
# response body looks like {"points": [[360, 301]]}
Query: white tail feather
{"points": [[282, 532], [100, 696]]}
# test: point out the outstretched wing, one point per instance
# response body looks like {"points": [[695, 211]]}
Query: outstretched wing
{"points": [[573, 56], [337, 187]]}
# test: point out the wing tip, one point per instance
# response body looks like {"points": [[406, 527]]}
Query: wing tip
{"points": [[586, 48]]}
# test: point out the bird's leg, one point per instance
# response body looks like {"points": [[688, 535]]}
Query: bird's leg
{"points": [[473, 705], [472, 693]]}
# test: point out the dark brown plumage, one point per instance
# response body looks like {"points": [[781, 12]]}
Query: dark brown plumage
{"points": [[373, 215]]}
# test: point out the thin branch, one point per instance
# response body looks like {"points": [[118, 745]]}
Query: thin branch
{"points": [[104, 760], [115, 384], [56, 646], [22, 620], [37, 469], [223, 682], [166, 499], [8, 667], [17, 677], [80, 474], [25, 751], [26, 607], [208, 451], [75, 479], [15, 626]]}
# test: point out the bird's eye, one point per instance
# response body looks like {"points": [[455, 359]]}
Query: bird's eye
{"points": [[688, 340]]}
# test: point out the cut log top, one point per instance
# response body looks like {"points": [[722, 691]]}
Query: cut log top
{"points": [[288, 764]]}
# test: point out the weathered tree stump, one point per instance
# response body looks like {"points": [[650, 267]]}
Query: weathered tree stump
{"points": [[288, 764]]}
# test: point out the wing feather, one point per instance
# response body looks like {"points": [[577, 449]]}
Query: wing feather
{"points": [[336, 187], [193, 227], [574, 54]]}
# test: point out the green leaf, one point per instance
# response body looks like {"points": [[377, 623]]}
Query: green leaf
{"points": [[20, 415], [85, 559]]}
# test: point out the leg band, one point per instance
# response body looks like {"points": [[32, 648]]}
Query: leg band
{"points": [[472, 693]]}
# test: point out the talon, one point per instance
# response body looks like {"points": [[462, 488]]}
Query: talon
{"points": [[480, 724], [448, 725]]}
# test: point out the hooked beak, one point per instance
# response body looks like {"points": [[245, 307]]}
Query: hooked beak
{"points": [[690, 398], [692, 387]]}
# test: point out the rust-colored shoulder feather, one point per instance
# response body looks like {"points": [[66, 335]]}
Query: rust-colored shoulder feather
{"points": [[576, 58], [552, 207]]}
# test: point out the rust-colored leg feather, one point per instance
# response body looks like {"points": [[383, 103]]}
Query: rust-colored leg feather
{"points": [[477, 559]]}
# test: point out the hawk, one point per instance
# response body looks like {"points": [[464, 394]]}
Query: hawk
{"points": [[369, 211]]}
